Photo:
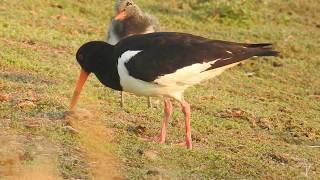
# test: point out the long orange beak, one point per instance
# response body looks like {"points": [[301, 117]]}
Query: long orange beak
{"points": [[121, 16], [82, 79]]}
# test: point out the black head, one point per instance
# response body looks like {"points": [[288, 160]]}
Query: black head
{"points": [[93, 55]]}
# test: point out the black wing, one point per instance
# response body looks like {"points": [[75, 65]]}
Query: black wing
{"points": [[165, 53]]}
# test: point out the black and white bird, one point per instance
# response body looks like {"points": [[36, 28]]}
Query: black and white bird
{"points": [[130, 20], [162, 64]]}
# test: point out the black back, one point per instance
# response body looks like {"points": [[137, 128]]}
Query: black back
{"points": [[166, 52]]}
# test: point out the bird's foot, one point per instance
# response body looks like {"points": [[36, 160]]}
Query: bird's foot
{"points": [[156, 139], [183, 144], [189, 144]]}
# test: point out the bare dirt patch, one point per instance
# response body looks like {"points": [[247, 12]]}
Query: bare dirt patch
{"points": [[4, 97], [95, 137], [25, 157]]}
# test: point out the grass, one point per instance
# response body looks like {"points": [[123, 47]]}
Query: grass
{"points": [[259, 120]]}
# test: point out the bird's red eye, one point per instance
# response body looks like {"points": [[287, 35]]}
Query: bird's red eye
{"points": [[80, 57]]}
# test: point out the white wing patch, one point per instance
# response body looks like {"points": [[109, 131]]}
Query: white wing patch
{"points": [[128, 82], [126, 56], [229, 52], [186, 76]]}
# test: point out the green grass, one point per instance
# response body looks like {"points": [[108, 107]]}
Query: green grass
{"points": [[264, 126]]}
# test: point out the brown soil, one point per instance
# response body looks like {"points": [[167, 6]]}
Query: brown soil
{"points": [[94, 139], [23, 157]]}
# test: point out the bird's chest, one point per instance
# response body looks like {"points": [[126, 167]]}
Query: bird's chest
{"points": [[129, 82]]}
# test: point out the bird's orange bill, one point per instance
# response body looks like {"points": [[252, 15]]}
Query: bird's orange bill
{"points": [[82, 79], [121, 16]]}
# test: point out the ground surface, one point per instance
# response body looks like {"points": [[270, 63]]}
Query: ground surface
{"points": [[260, 120]]}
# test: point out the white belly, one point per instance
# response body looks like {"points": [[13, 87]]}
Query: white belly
{"points": [[171, 85], [142, 88]]}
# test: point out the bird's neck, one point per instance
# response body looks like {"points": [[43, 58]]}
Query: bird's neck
{"points": [[108, 75]]}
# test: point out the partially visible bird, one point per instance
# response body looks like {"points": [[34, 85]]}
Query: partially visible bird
{"points": [[130, 20], [162, 64]]}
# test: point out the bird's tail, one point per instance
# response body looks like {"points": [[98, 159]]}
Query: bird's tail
{"points": [[251, 50], [263, 49]]}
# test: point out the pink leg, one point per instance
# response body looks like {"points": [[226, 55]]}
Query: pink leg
{"points": [[186, 110], [167, 115]]}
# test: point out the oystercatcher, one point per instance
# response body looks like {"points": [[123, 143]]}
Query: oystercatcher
{"points": [[130, 20], [162, 64]]}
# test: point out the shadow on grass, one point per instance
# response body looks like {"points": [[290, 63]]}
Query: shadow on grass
{"points": [[25, 78]]}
